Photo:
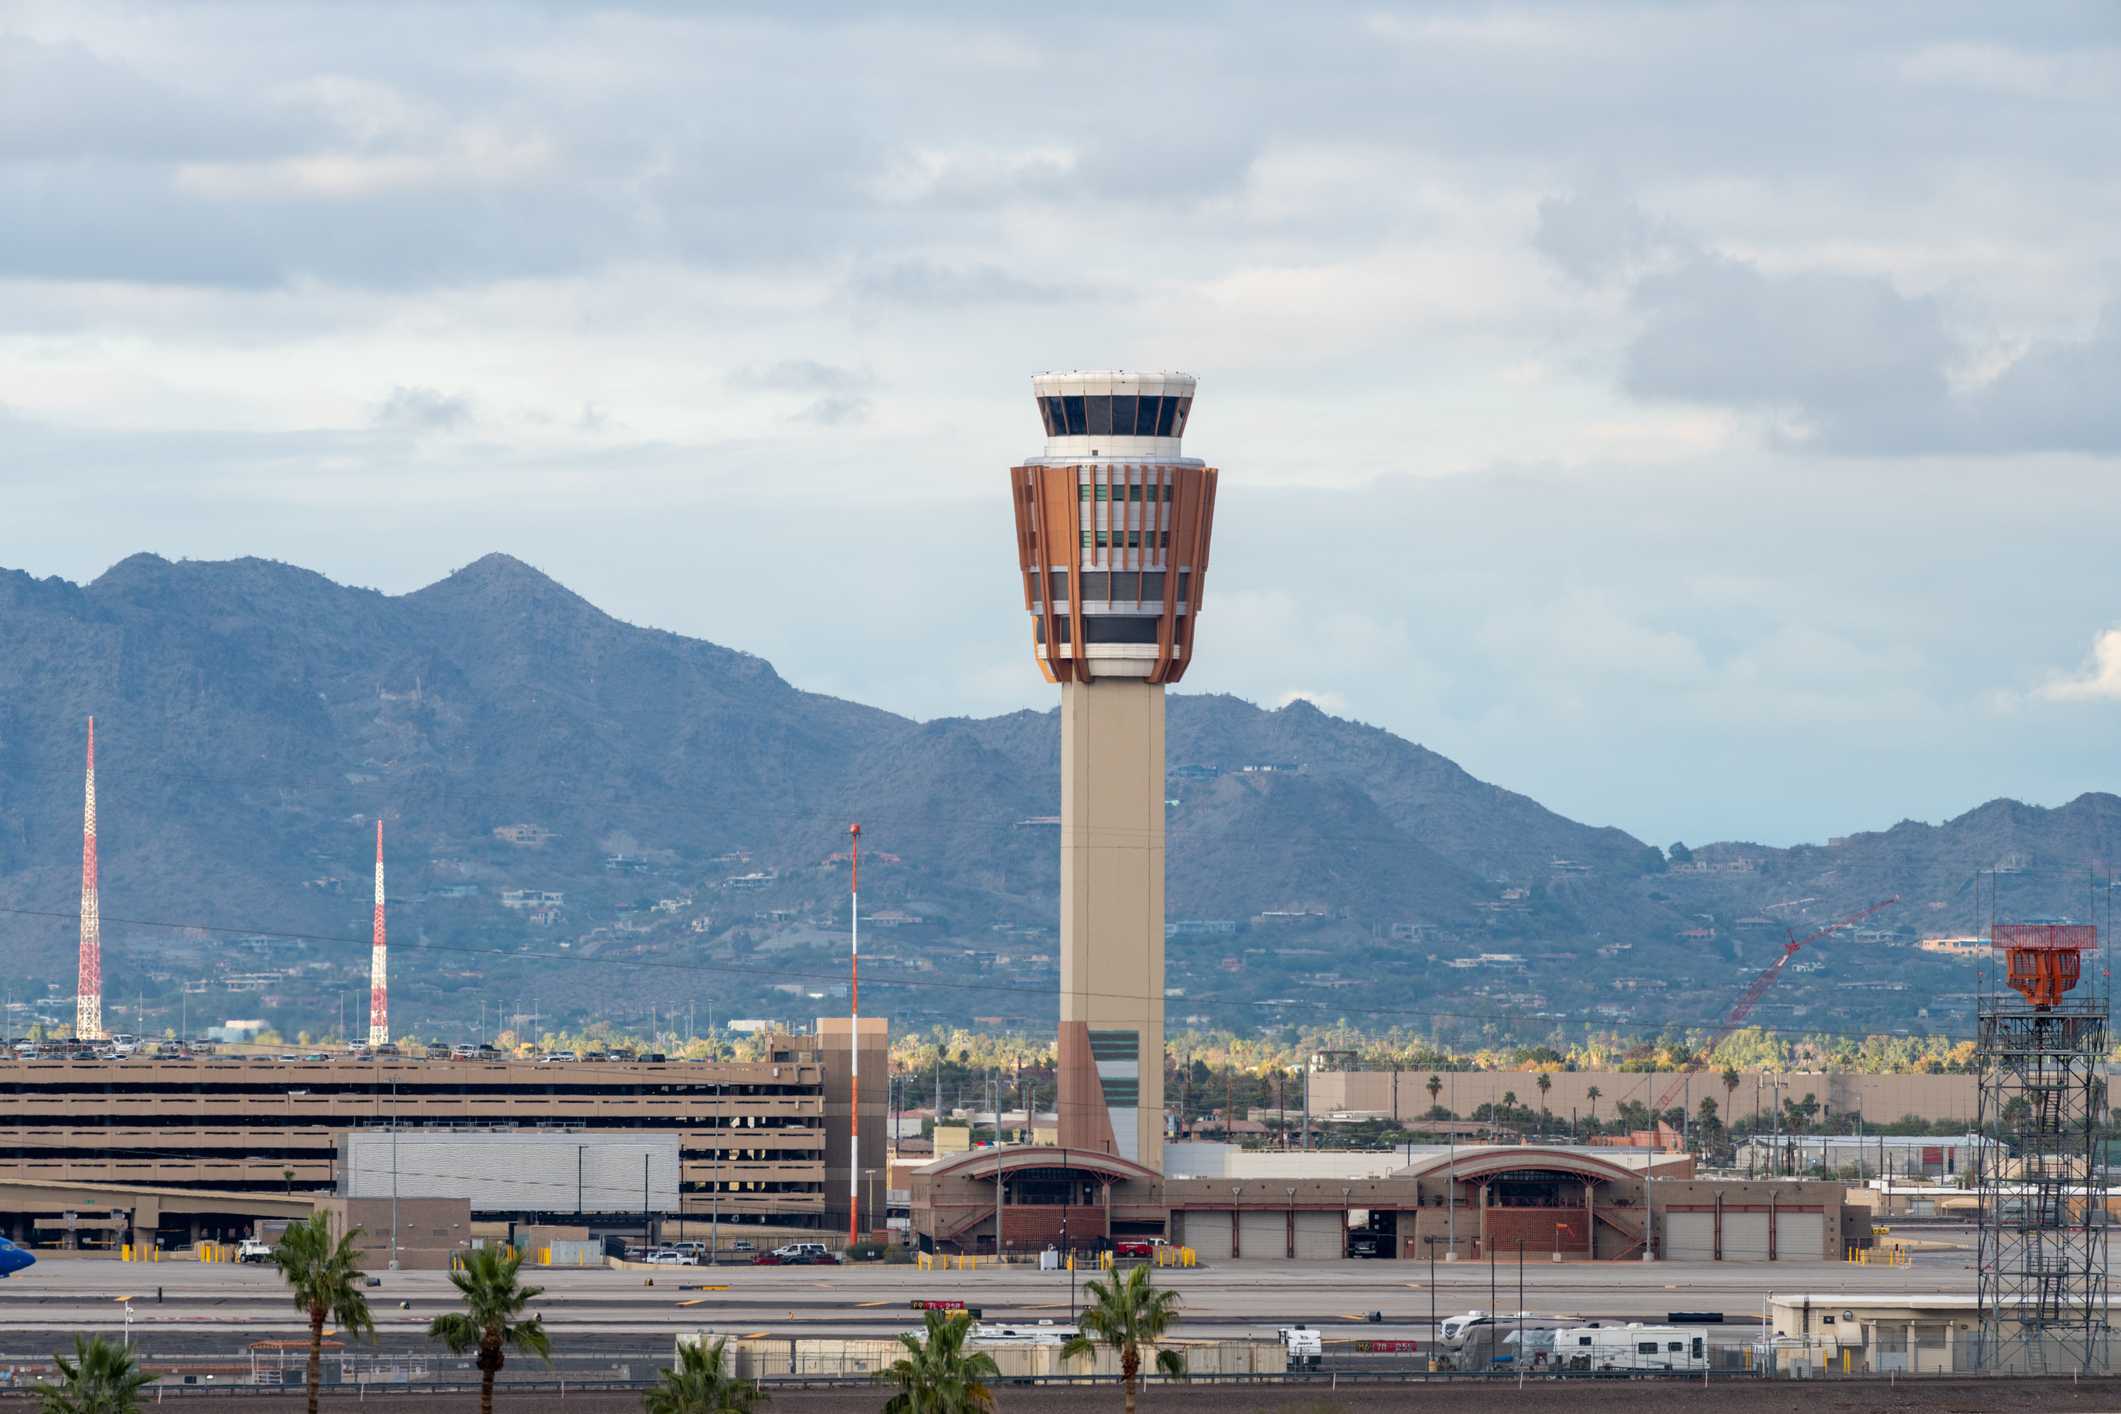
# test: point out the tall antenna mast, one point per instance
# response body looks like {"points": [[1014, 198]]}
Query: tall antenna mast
{"points": [[378, 961], [88, 990], [854, 1035]]}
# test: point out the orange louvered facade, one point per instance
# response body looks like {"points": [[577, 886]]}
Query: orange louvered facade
{"points": [[1114, 560]]}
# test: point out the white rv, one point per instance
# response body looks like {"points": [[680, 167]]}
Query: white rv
{"points": [[1632, 1349]]}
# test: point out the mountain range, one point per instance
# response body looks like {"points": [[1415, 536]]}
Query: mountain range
{"points": [[590, 819]]}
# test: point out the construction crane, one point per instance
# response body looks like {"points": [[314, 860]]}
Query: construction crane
{"points": [[1743, 1007]]}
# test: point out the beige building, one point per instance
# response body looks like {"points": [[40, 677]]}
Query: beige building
{"points": [[209, 1147], [1878, 1098]]}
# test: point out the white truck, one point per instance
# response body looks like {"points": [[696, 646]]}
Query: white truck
{"points": [[250, 1249], [1305, 1350], [1634, 1348]]}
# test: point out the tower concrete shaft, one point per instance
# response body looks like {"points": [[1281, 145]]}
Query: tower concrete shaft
{"points": [[379, 962], [1113, 524], [1112, 919], [88, 989]]}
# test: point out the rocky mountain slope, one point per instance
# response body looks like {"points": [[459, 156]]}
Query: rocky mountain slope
{"points": [[590, 818]]}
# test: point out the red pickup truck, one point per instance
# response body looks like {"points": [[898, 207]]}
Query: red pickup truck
{"points": [[1137, 1246]]}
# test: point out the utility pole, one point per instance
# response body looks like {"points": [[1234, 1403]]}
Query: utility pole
{"points": [[393, 1170]]}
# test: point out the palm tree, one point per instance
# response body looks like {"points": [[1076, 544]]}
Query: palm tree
{"points": [[1545, 1083], [490, 1322], [1435, 1088], [101, 1379], [704, 1382], [325, 1278], [935, 1375], [1126, 1314], [1592, 1095]]}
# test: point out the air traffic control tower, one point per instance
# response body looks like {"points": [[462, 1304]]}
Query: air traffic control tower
{"points": [[1112, 526]]}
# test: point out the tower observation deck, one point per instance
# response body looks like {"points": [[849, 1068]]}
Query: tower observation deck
{"points": [[1112, 527], [1112, 532]]}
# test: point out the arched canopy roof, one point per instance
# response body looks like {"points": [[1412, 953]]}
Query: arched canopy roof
{"points": [[1504, 1158], [985, 1163]]}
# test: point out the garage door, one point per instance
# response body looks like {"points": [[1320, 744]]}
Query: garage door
{"points": [[1321, 1237], [1689, 1237], [1265, 1236], [1208, 1234], [1799, 1237], [1744, 1237]]}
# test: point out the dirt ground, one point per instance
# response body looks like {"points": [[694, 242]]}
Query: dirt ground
{"points": [[1839, 1396]]}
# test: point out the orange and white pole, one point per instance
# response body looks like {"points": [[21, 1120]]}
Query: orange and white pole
{"points": [[854, 1037]]}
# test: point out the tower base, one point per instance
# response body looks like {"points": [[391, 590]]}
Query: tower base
{"points": [[1112, 919]]}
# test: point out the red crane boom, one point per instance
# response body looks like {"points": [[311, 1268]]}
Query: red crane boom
{"points": [[1759, 986]]}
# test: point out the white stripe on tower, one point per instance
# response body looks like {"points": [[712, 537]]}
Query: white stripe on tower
{"points": [[378, 963], [88, 989]]}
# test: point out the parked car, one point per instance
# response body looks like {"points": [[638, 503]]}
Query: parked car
{"points": [[743, 1244], [1137, 1246], [557, 1057], [670, 1257], [797, 1254]]}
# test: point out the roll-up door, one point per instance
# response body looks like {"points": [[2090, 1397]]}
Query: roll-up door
{"points": [[1321, 1236], [1744, 1237], [1265, 1235], [1208, 1234], [1800, 1237], [1689, 1237]]}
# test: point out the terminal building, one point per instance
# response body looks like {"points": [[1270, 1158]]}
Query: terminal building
{"points": [[148, 1150], [1466, 1203]]}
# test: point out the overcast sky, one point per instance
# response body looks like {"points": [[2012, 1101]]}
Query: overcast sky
{"points": [[1703, 419]]}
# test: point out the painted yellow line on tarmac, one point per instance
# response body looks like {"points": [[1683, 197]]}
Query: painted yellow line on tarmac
{"points": [[695, 1301], [753, 1335], [876, 1303], [1357, 1319]]}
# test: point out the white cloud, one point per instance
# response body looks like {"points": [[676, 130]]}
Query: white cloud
{"points": [[1494, 344], [1323, 701], [2100, 679]]}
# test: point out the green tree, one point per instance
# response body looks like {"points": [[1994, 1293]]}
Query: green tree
{"points": [[1125, 1314], [491, 1322], [1545, 1083], [704, 1382], [100, 1379], [1679, 853], [935, 1375], [325, 1278], [1592, 1095], [1435, 1088]]}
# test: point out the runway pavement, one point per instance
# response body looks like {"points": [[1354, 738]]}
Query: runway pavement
{"points": [[182, 1307]]}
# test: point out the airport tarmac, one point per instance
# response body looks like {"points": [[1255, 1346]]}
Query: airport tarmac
{"points": [[182, 1307]]}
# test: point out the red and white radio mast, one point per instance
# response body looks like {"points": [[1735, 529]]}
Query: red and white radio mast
{"points": [[854, 1037], [88, 991], [378, 964]]}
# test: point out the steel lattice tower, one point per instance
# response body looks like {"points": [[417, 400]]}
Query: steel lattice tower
{"points": [[379, 962], [2042, 1256], [88, 989]]}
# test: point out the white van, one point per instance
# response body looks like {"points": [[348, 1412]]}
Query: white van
{"points": [[1632, 1348]]}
